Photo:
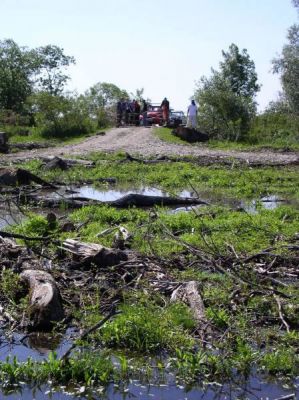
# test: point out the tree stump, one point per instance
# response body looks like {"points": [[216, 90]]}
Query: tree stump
{"points": [[44, 297], [19, 176], [190, 135]]}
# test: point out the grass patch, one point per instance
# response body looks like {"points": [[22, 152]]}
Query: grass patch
{"points": [[214, 181]]}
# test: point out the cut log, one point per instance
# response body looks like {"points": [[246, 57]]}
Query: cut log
{"points": [[94, 253], [188, 293], [44, 297], [190, 135], [19, 176], [130, 200], [140, 200]]}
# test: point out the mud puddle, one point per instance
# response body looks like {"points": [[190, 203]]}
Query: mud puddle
{"points": [[251, 206]]}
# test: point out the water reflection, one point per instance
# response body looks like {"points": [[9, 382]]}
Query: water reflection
{"points": [[36, 345], [254, 388]]}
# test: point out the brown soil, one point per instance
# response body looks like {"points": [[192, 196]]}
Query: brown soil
{"points": [[142, 141]]}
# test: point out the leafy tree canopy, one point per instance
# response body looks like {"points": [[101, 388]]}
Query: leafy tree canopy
{"points": [[287, 65], [226, 99], [23, 71]]}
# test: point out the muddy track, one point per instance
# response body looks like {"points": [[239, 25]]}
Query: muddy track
{"points": [[142, 141]]}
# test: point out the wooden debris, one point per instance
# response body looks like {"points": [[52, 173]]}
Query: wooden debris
{"points": [[121, 238], [130, 200], [140, 200], [95, 253], [50, 161], [188, 293], [45, 300], [19, 176]]}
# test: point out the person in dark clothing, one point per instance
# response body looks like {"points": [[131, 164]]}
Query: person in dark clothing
{"points": [[137, 113], [119, 112], [165, 110], [144, 112], [127, 111]]}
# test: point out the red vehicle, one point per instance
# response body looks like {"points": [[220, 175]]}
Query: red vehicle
{"points": [[154, 114]]}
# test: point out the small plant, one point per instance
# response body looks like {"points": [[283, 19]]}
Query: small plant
{"points": [[9, 284]]}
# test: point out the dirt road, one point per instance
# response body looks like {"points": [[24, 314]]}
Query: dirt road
{"points": [[142, 141]]}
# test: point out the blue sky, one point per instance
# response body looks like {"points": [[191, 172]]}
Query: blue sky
{"points": [[161, 45]]}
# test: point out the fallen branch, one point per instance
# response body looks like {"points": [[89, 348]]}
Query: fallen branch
{"points": [[98, 325], [281, 314], [24, 237]]}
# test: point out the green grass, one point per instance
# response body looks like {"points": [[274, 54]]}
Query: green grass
{"points": [[166, 135], [267, 132], [214, 181], [149, 324], [35, 136]]}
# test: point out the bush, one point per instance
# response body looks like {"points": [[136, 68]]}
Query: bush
{"points": [[275, 127], [60, 116]]}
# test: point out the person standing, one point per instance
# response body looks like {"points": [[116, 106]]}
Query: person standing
{"points": [[165, 110], [192, 115], [119, 112], [144, 112], [137, 113]]}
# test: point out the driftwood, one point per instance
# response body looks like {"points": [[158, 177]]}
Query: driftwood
{"points": [[94, 253], [19, 176], [132, 199], [190, 135], [188, 293], [45, 300], [64, 163]]}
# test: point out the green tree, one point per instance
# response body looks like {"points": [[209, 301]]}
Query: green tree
{"points": [[287, 65], [51, 62], [24, 71], [101, 100], [239, 70], [60, 116], [17, 64], [227, 99], [104, 94]]}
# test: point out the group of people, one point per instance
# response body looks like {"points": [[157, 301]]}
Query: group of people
{"points": [[128, 112], [131, 112]]}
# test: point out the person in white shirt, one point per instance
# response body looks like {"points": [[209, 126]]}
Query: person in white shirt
{"points": [[192, 115]]}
